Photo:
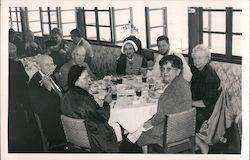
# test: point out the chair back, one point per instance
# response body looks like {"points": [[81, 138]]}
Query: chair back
{"points": [[179, 126], [75, 131], [44, 138]]}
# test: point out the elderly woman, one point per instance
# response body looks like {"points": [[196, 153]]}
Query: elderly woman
{"points": [[130, 62], [31, 46], [205, 84], [175, 98], [77, 102]]}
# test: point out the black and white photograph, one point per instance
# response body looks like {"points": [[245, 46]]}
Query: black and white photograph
{"points": [[129, 79]]}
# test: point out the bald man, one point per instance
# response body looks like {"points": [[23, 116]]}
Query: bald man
{"points": [[78, 58], [45, 100]]}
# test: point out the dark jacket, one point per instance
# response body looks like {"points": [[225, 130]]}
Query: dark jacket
{"points": [[47, 105], [176, 98], [23, 133], [78, 103], [204, 86]]}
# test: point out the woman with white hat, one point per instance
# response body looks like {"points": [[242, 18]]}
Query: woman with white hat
{"points": [[130, 62]]}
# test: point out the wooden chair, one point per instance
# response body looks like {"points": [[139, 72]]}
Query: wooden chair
{"points": [[46, 146], [76, 133], [179, 132]]}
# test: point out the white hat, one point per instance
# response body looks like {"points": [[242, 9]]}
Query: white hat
{"points": [[130, 42]]}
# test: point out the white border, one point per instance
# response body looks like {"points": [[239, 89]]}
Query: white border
{"points": [[243, 4]]}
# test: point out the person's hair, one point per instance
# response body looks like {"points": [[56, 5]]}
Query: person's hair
{"points": [[201, 48], [28, 33], [56, 31], [40, 59], [76, 32], [78, 48], [176, 61], [74, 73], [163, 38], [12, 51]]}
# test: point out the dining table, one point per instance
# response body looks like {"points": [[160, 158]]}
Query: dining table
{"points": [[129, 110]]}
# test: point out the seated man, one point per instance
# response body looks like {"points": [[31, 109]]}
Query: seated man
{"points": [[78, 57], [60, 51], [77, 38], [130, 62], [45, 100], [164, 49]]}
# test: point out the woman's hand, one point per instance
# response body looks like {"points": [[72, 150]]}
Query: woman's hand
{"points": [[147, 125], [108, 98], [198, 103], [99, 101]]}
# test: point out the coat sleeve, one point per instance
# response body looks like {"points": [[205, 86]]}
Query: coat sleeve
{"points": [[63, 78]]}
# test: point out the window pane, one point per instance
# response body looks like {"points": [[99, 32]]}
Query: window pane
{"points": [[105, 34], [46, 29], [156, 18], [237, 46], [104, 18], [218, 21], [45, 16], [237, 22], [66, 28], [155, 33], [91, 33], [90, 18], [68, 16], [14, 26], [53, 17], [35, 26], [218, 43], [122, 17], [34, 15], [120, 35]]}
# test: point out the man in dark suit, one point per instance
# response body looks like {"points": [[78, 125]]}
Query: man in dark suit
{"points": [[45, 99], [23, 132]]}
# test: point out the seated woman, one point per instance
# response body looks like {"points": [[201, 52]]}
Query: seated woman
{"points": [[205, 85], [175, 98], [130, 62], [31, 46], [77, 102]]}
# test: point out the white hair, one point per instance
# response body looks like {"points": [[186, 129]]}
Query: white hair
{"points": [[201, 48]]}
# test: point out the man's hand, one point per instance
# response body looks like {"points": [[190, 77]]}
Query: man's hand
{"points": [[45, 81]]}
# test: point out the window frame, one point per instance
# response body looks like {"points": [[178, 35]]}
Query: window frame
{"points": [[149, 27], [227, 56]]}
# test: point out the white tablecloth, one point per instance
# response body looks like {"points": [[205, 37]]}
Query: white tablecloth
{"points": [[131, 118]]}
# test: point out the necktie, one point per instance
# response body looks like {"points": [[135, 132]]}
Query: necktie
{"points": [[55, 87]]}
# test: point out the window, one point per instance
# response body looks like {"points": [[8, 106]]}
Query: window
{"points": [[122, 17], [155, 26], [222, 32], [50, 18], [98, 24], [68, 21], [15, 19], [34, 21]]}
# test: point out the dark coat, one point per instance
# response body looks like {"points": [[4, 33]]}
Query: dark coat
{"points": [[204, 86], [78, 103], [176, 98], [23, 131], [47, 105]]}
